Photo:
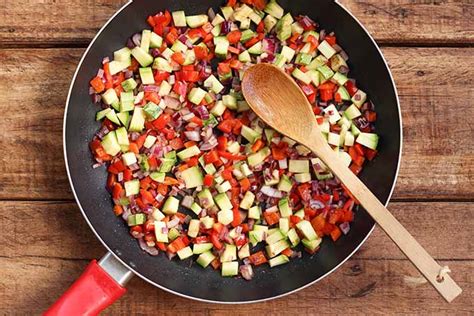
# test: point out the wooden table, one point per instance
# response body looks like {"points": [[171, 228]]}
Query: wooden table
{"points": [[46, 243]]}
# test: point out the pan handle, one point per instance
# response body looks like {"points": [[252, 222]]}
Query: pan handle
{"points": [[100, 285]]}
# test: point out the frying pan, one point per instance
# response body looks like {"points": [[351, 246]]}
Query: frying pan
{"points": [[102, 283]]}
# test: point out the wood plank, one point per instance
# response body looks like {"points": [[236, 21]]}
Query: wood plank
{"points": [[389, 21], [30, 285], [437, 158], [27, 229], [438, 22]]}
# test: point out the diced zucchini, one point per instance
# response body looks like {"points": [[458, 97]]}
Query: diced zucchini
{"points": [[340, 78], [117, 66], [205, 259], [283, 27], [132, 187], [307, 230], [129, 158], [281, 259], [230, 101], [333, 139], [201, 248], [254, 212], [196, 95], [129, 85], [223, 201], [229, 254], [189, 152], [143, 58], [213, 83], [227, 12], [160, 236], [293, 237], [152, 110], [192, 177], [109, 96], [349, 139], [242, 12], [333, 113], [303, 59], [343, 93], [165, 88], [179, 18], [352, 112], [337, 62], [301, 76], [247, 201], [258, 157], [274, 9], [158, 176], [269, 22], [179, 46], [285, 184], [311, 245], [298, 166], [137, 123], [284, 207], [284, 225], [136, 219], [146, 75], [244, 57], [185, 253], [296, 28], [195, 21], [256, 49], [218, 19], [205, 198], [207, 222], [326, 49], [276, 248], [110, 144], [171, 205], [359, 98], [246, 35], [193, 228], [155, 40], [230, 269], [123, 54], [222, 46], [369, 140], [249, 134], [274, 237], [162, 64], [225, 216], [196, 208], [145, 42], [302, 177], [244, 252], [325, 71]]}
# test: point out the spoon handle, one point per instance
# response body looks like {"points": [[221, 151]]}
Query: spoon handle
{"points": [[444, 284]]}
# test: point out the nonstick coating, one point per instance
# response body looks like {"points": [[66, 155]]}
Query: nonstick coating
{"points": [[180, 277]]}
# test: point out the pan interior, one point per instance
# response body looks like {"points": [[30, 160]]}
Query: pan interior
{"points": [[182, 277]]}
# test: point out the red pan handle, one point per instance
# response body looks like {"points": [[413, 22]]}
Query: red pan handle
{"points": [[96, 289]]}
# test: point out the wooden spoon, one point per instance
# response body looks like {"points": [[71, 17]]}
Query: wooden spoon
{"points": [[278, 101]]}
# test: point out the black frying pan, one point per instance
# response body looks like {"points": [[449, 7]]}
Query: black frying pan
{"points": [[367, 66]]}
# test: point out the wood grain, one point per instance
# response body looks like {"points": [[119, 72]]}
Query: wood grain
{"points": [[58, 230], [378, 286], [436, 98], [389, 21]]}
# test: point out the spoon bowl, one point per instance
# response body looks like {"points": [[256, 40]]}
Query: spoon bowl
{"points": [[278, 101]]}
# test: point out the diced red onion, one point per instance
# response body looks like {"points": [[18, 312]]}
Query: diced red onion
{"points": [[100, 73], [211, 14], [272, 192], [343, 69], [105, 60], [316, 204], [203, 112], [187, 201], [193, 135], [211, 143], [97, 165], [126, 212], [246, 271], [296, 254], [322, 35], [137, 38], [171, 102], [283, 163], [151, 88], [272, 209], [173, 223], [134, 167], [170, 255], [345, 227]]}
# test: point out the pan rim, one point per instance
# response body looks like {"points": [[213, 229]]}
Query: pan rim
{"points": [[209, 300]]}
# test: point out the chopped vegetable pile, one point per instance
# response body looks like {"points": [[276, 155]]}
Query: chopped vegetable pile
{"points": [[193, 171]]}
